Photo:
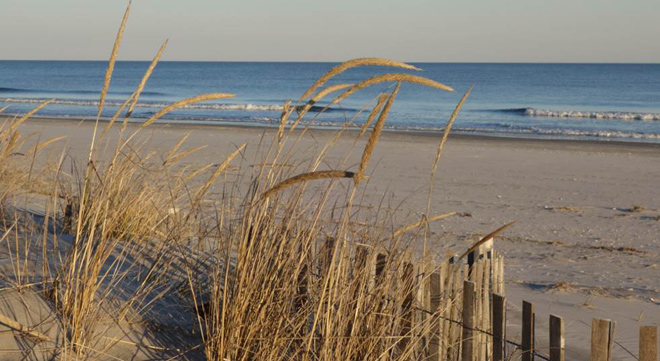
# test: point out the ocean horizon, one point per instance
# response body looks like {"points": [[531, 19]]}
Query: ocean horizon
{"points": [[599, 101]]}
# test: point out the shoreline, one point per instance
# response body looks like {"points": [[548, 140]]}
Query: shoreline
{"points": [[526, 142]]}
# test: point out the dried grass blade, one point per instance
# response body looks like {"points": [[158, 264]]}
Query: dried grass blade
{"points": [[405, 229], [375, 134], [351, 64], [116, 115], [196, 173], [486, 238], [180, 156], [320, 95], [38, 147], [219, 170], [30, 113], [177, 146], [22, 329], [407, 78], [113, 58], [146, 76], [450, 123], [286, 112], [381, 100], [306, 177], [184, 102]]}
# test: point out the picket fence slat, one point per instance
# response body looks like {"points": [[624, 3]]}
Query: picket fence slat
{"points": [[602, 337], [557, 342], [648, 343]]}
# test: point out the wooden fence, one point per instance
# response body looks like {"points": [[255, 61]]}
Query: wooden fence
{"points": [[460, 315]]}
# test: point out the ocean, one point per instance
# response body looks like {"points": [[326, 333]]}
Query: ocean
{"points": [[559, 101]]}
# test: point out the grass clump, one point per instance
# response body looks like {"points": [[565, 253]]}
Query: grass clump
{"points": [[268, 266]]}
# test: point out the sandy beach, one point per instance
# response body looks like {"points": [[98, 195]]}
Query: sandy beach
{"points": [[585, 243]]}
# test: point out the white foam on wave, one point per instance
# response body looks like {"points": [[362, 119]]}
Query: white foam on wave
{"points": [[238, 107], [563, 133], [646, 117]]}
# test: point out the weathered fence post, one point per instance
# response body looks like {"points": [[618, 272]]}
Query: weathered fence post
{"points": [[407, 312], [557, 343], [485, 304], [602, 337], [528, 326], [467, 353], [648, 343], [435, 299], [454, 280], [477, 276], [499, 326]]}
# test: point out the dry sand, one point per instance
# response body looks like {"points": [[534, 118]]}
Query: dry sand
{"points": [[586, 240]]}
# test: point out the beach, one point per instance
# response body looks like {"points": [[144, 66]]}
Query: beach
{"points": [[587, 213], [578, 205]]}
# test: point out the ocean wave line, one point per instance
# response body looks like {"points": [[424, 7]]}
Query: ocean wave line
{"points": [[85, 92], [629, 116], [225, 106], [560, 133]]}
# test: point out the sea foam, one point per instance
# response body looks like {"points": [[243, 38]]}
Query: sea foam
{"points": [[630, 116]]}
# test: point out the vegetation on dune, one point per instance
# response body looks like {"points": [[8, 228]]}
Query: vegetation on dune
{"points": [[273, 270]]}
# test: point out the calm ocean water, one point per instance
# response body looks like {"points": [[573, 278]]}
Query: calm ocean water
{"points": [[568, 101]]}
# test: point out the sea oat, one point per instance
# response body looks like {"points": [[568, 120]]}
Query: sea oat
{"points": [[351, 64], [146, 76], [391, 77], [306, 177], [381, 100], [375, 134], [113, 58], [445, 133], [184, 102], [405, 229]]}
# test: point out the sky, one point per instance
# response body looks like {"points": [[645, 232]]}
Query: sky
{"points": [[324, 30]]}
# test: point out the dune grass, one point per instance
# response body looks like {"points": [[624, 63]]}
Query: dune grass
{"points": [[273, 270]]}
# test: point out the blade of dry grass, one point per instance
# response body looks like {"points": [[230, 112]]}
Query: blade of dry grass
{"points": [[485, 239], [306, 177], [116, 115], [445, 133], [221, 168], [381, 100], [351, 64], [184, 102], [27, 115], [22, 329], [146, 76], [286, 112], [375, 134], [406, 78], [182, 155], [113, 58], [40, 146], [320, 95], [405, 229]]}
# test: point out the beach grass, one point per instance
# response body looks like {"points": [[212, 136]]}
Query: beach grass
{"points": [[258, 264]]}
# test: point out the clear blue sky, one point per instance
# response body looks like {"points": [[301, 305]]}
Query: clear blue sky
{"points": [[334, 30]]}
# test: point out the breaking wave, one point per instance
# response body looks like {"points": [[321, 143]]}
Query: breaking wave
{"points": [[219, 107], [80, 92], [629, 116], [562, 133]]}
